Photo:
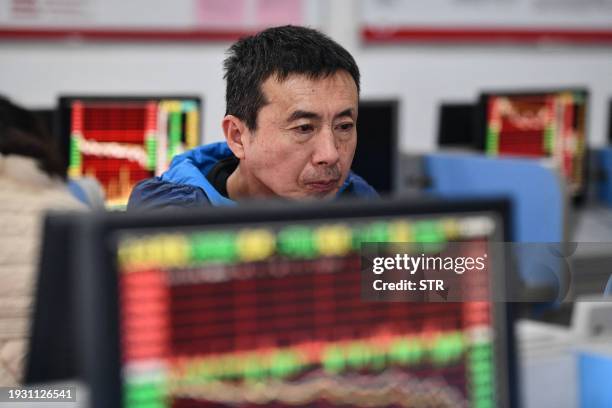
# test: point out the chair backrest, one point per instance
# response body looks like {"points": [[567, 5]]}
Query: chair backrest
{"points": [[536, 192]]}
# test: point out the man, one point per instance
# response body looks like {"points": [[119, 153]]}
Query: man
{"points": [[290, 128]]}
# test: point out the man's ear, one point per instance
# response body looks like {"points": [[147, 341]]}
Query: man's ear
{"points": [[236, 132]]}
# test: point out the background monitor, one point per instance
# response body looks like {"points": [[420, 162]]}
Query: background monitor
{"points": [[211, 308], [120, 140], [456, 125], [377, 147], [547, 123]]}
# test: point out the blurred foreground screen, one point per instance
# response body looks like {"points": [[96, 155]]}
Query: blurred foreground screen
{"points": [[270, 313]]}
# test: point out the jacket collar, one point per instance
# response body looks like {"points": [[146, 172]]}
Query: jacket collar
{"points": [[192, 167]]}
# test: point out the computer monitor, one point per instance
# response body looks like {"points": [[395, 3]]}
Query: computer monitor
{"points": [[262, 306], [541, 124], [377, 147], [53, 355], [456, 125], [120, 140]]}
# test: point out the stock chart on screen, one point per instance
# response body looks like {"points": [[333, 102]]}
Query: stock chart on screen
{"points": [[271, 314], [120, 141], [545, 124]]}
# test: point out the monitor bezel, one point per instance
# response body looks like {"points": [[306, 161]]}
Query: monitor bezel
{"points": [[52, 347], [101, 357]]}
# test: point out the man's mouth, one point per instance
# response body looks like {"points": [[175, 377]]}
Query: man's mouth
{"points": [[323, 185]]}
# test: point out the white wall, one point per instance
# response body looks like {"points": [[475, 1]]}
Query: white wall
{"points": [[420, 76], [35, 74]]}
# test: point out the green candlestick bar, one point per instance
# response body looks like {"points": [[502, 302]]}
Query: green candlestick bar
{"points": [[447, 348], [151, 148], [492, 141], [429, 232], [75, 153], [480, 370], [373, 354], [333, 360], [297, 242], [144, 394], [407, 352], [284, 364], [174, 133], [549, 139], [375, 232], [214, 246]]}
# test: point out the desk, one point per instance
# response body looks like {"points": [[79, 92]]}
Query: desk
{"points": [[547, 366]]}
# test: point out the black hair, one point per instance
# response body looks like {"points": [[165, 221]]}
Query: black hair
{"points": [[23, 134], [279, 51]]}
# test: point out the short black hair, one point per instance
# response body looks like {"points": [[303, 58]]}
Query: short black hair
{"points": [[22, 133], [279, 51]]}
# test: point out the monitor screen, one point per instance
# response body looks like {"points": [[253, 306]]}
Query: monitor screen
{"points": [[120, 141], [542, 124], [456, 125], [264, 307], [377, 144]]}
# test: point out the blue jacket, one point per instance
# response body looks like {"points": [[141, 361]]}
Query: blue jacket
{"points": [[185, 185]]}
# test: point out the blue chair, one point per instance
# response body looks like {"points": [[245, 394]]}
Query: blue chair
{"points": [[536, 193]]}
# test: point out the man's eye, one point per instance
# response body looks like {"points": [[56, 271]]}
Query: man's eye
{"points": [[345, 126], [304, 128]]}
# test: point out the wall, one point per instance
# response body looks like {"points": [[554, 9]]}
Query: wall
{"points": [[421, 76]]}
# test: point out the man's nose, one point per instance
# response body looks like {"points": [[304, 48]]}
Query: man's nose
{"points": [[326, 150]]}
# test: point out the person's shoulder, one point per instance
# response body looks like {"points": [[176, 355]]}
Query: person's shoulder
{"points": [[155, 193], [358, 187]]}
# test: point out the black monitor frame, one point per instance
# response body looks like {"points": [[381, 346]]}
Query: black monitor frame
{"points": [[96, 290], [481, 124], [53, 354]]}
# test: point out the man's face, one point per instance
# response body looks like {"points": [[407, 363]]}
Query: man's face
{"points": [[305, 138]]}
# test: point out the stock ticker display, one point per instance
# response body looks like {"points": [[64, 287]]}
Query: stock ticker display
{"points": [[120, 142], [540, 125], [272, 315]]}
